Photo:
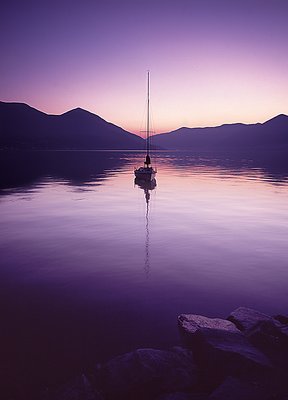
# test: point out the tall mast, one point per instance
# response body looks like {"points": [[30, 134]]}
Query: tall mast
{"points": [[148, 113]]}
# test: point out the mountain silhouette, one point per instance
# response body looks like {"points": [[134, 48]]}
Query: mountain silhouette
{"points": [[270, 135], [24, 127]]}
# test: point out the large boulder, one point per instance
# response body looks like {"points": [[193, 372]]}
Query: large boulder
{"points": [[146, 373], [268, 334], [221, 349], [230, 352], [191, 323], [246, 319]]}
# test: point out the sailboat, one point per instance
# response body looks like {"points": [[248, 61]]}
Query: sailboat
{"points": [[147, 172]]}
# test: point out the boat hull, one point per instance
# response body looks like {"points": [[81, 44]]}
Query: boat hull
{"points": [[145, 174]]}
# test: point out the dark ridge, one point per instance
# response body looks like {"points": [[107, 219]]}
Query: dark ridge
{"points": [[273, 134], [279, 119], [23, 127]]}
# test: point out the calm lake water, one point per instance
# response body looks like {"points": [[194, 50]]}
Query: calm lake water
{"points": [[94, 265]]}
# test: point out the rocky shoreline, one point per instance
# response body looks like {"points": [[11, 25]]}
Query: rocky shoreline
{"points": [[243, 357]]}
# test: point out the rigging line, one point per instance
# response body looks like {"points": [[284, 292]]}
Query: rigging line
{"points": [[142, 128], [152, 137], [148, 112]]}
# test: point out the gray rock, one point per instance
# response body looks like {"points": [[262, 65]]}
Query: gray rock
{"points": [[230, 351], [246, 319], [220, 348], [190, 323], [145, 373], [268, 334]]}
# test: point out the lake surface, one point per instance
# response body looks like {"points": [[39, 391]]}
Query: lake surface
{"points": [[94, 265]]}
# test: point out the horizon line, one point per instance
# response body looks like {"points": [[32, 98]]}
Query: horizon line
{"points": [[137, 132]]}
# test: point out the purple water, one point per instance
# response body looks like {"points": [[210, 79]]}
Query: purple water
{"points": [[93, 265]]}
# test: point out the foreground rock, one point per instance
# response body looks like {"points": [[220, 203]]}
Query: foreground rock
{"points": [[246, 319], [220, 348], [145, 373], [269, 334], [247, 353], [191, 323], [243, 357]]}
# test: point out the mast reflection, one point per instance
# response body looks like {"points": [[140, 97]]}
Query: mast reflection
{"points": [[147, 186]]}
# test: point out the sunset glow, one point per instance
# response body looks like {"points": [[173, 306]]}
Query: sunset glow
{"points": [[211, 62]]}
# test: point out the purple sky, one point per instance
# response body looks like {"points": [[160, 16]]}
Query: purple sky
{"points": [[211, 61]]}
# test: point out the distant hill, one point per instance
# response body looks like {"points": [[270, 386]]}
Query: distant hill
{"points": [[272, 134], [24, 127]]}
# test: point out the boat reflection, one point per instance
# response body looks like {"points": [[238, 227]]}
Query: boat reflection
{"points": [[147, 186]]}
